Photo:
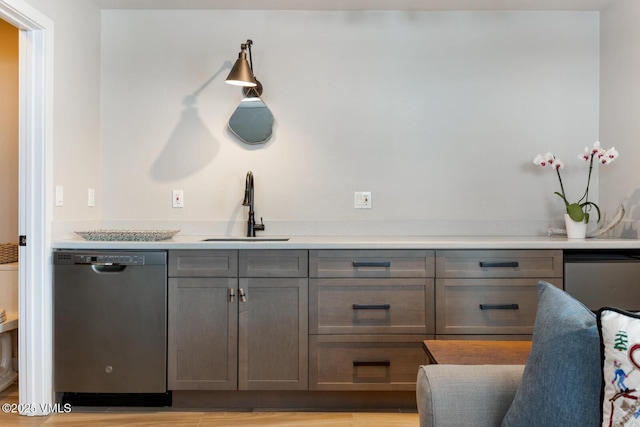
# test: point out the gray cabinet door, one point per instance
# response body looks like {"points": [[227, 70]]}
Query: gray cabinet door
{"points": [[203, 325], [273, 334]]}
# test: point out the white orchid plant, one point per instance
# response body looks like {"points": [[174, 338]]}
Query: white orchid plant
{"points": [[579, 211]]}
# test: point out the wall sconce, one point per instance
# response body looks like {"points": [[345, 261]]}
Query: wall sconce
{"points": [[252, 121], [242, 73]]}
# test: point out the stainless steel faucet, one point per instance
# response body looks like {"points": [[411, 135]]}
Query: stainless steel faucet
{"points": [[252, 227]]}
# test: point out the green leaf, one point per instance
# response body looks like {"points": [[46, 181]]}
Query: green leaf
{"points": [[575, 212], [562, 197], [595, 206]]}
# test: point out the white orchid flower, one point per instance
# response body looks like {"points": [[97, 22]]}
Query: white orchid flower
{"points": [[586, 155], [540, 161]]}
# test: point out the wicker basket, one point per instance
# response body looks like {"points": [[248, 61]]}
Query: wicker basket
{"points": [[8, 253]]}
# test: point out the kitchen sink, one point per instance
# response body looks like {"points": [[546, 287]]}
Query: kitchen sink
{"points": [[246, 239]]}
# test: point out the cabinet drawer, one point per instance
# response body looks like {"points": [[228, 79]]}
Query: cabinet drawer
{"points": [[486, 306], [277, 263], [499, 263], [203, 263], [371, 306], [371, 263], [365, 362]]}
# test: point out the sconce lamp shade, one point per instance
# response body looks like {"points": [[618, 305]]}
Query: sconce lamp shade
{"points": [[241, 74]]}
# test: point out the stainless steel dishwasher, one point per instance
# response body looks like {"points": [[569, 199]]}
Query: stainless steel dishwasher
{"points": [[110, 326], [603, 278]]}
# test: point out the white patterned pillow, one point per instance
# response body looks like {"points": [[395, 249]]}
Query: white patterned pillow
{"points": [[620, 338]]}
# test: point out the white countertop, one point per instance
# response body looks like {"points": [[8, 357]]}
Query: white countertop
{"points": [[360, 242]]}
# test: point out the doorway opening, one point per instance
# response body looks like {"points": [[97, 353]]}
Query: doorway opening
{"points": [[9, 206]]}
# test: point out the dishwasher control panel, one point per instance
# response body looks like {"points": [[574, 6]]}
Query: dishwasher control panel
{"points": [[109, 258]]}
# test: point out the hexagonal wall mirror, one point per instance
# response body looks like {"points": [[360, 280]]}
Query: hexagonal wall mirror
{"points": [[252, 121]]}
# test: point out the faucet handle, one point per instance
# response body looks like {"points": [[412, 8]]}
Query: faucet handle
{"points": [[259, 227]]}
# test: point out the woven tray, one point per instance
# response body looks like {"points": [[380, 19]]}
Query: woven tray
{"points": [[8, 253], [128, 235]]}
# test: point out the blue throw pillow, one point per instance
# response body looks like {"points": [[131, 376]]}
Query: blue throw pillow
{"points": [[561, 382]]}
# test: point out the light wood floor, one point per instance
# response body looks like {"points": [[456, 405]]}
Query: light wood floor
{"points": [[100, 417]]}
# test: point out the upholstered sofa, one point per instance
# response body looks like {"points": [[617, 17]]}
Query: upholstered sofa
{"points": [[466, 395]]}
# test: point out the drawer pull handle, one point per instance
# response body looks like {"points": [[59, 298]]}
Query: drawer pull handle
{"points": [[371, 306], [385, 264], [507, 264], [371, 363], [499, 306]]}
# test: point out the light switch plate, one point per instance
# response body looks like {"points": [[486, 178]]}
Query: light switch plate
{"points": [[59, 195], [91, 197]]}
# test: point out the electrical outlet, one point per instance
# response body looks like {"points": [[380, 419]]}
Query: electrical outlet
{"points": [[178, 199], [362, 200], [91, 198]]}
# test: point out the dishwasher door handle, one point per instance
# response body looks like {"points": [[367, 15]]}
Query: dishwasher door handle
{"points": [[107, 268]]}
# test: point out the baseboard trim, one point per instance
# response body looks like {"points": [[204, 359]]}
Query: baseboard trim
{"points": [[352, 401]]}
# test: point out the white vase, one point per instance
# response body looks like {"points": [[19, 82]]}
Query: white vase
{"points": [[575, 229]]}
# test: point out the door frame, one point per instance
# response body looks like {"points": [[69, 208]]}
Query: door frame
{"points": [[35, 307]]}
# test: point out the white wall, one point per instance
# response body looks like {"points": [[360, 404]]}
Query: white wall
{"points": [[76, 106], [8, 133], [438, 114], [620, 110]]}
